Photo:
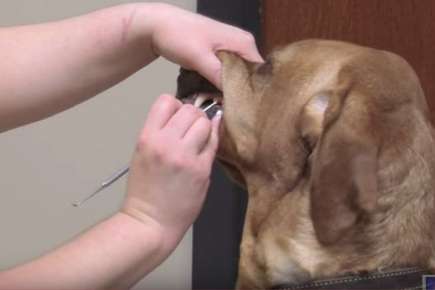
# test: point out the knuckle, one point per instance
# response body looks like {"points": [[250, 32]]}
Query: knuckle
{"points": [[143, 142], [158, 153], [189, 165], [188, 109], [205, 123], [165, 102], [150, 146], [165, 99], [185, 113], [179, 162]]}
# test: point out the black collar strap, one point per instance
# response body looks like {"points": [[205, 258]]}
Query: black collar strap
{"points": [[403, 279]]}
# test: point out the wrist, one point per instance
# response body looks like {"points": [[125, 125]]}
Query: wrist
{"points": [[149, 18], [168, 236], [147, 231]]}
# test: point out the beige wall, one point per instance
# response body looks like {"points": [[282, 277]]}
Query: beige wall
{"points": [[47, 165]]}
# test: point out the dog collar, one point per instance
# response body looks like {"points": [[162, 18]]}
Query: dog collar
{"points": [[403, 279]]}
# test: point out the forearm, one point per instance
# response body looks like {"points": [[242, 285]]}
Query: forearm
{"points": [[113, 255], [47, 68]]}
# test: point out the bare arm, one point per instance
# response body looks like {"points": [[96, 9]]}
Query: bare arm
{"points": [[166, 188], [50, 67], [47, 68], [113, 255]]}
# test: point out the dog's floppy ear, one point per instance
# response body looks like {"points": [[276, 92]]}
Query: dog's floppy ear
{"points": [[343, 164]]}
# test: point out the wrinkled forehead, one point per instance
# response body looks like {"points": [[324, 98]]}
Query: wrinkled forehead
{"points": [[297, 76]]}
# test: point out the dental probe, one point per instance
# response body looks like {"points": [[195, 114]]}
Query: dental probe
{"points": [[210, 112]]}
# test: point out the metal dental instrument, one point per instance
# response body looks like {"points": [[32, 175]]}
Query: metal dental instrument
{"points": [[121, 172], [106, 183]]}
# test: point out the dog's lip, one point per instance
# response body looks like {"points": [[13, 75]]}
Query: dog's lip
{"points": [[202, 100]]}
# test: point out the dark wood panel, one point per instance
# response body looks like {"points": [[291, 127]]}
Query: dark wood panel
{"points": [[217, 231], [406, 27]]}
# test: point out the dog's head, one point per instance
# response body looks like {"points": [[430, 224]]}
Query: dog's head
{"points": [[335, 115]]}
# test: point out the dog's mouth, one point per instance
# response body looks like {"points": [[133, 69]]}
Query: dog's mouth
{"points": [[194, 89], [210, 103]]}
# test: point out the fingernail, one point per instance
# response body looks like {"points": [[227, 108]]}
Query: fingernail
{"points": [[219, 114]]}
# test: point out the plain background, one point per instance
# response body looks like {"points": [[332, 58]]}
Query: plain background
{"points": [[48, 165]]}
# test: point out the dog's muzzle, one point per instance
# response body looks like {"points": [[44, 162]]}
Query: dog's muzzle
{"points": [[209, 103], [194, 89]]}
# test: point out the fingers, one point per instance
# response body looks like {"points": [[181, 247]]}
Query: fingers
{"points": [[161, 112], [240, 42], [184, 123], [202, 136], [246, 47], [198, 135], [211, 147], [210, 67], [183, 120]]}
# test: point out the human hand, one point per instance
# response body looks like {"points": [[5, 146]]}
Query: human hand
{"points": [[192, 40], [170, 170]]}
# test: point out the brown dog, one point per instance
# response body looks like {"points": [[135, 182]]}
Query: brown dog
{"points": [[334, 145]]}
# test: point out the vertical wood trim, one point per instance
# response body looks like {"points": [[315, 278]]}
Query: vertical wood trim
{"points": [[217, 232]]}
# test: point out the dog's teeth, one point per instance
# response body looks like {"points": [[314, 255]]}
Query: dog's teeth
{"points": [[199, 100]]}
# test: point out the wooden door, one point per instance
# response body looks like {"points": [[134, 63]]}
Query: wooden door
{"points": [[406, 27]]}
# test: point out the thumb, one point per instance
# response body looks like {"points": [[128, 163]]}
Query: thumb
{"points": [[210, 67], [212, 146]]}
